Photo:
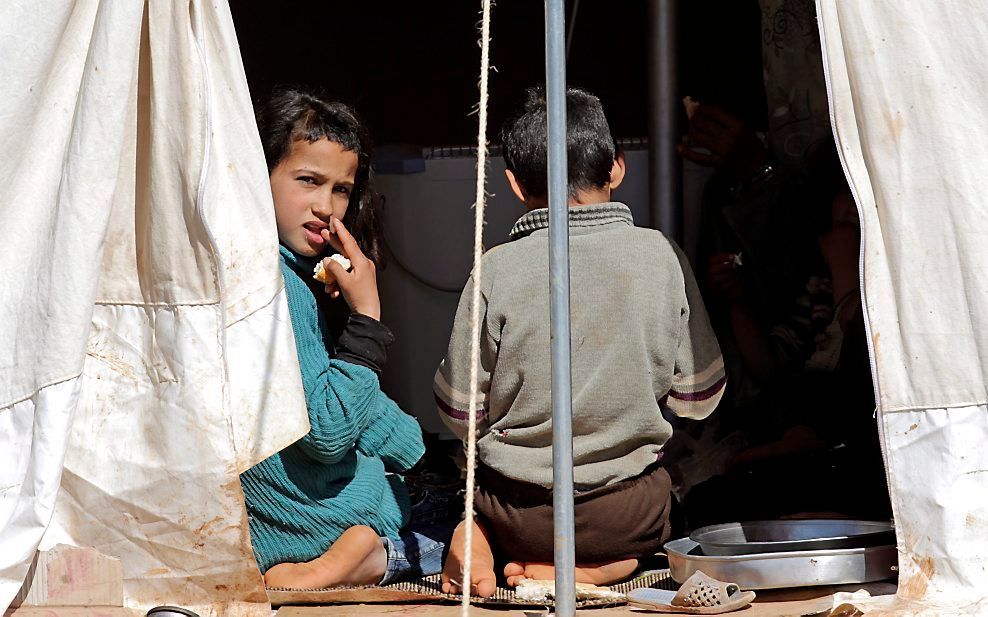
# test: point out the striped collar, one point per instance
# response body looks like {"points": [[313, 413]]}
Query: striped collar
{"points": [[593, 215]]}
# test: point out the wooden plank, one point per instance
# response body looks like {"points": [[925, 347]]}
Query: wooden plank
{"points": [[395, 610], [800, 602], [362, 595], [73, 611], [780, 603]]}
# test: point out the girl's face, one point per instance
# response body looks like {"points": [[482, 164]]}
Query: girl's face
{"points": [[309, 186]]}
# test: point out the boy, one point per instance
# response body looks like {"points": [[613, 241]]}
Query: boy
{"points": [[641, 345]]}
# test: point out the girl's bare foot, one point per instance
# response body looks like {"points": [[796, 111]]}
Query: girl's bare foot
{"points": [[483, 581], [358, 557], [601, 574]]}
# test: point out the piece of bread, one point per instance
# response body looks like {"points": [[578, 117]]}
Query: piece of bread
{"points": [[323, 275], [538, 590]]}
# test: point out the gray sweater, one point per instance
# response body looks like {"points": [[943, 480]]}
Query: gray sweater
{"points": [[641, 345]]}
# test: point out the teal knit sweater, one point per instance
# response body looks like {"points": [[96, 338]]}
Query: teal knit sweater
{"points": [[300, 500]]}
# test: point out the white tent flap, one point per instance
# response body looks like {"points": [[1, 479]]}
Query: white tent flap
{"points": [[163, 326], [57, 180], [907, 82], [150, 473]]}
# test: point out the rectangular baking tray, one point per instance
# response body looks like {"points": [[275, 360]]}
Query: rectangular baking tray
{"points": [[785, 569], [792, 535]]}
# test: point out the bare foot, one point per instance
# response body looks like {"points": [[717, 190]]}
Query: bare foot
{"points": [[483, 581], [514, 573], [358, 557], [602, 574]]}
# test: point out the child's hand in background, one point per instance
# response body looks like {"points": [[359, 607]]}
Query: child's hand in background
{"points": [[724, 278], [359, 285], [724, 142]]}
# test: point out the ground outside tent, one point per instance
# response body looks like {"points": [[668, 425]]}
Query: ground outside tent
{"points": [[791, 603]]}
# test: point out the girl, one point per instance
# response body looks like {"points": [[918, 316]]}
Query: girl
{"points": [[328, 510]]}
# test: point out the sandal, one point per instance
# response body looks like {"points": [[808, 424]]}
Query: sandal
{"points": [[699, 595]]}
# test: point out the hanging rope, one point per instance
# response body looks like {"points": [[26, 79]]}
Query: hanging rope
{"points": [[475, 317]]}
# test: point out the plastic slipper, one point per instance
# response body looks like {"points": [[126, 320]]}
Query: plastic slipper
{"points": [[699, 595]]}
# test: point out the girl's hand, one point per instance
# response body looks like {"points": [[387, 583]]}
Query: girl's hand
{"points": [[359, 285]]}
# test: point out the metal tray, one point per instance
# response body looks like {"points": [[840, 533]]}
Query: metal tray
{"points": [[779, 570], [797, 535]]}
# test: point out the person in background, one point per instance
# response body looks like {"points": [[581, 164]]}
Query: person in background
{"points": [[816, 427]]}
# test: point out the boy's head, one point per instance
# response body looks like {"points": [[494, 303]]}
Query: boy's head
{"points": [[593, 164]]}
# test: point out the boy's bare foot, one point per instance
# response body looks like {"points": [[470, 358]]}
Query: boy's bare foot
{"points": [[358, 557], [483, 581], [601, 574]]}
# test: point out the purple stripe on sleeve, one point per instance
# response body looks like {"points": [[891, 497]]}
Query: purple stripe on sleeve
{"points": [[458, 414], [702, 395]]}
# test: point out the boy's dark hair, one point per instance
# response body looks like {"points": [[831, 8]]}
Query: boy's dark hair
{"points": [[590, 148], [293, 114]]}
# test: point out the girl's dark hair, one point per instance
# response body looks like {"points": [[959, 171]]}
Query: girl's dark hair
{"points": [[295, 113], [590, 147]]}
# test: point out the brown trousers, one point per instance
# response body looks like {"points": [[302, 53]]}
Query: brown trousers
{"points": [[627, 519]]}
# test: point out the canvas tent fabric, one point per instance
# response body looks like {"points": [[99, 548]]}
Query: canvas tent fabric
{"points": [[907, 84], [148, 352], [132, 308]]}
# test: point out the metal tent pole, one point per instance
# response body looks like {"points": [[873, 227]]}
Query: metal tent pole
{"points": [[664, 167], [559, 322]]}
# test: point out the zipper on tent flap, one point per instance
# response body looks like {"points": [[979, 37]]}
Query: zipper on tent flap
{"points": [[195, 19]]}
